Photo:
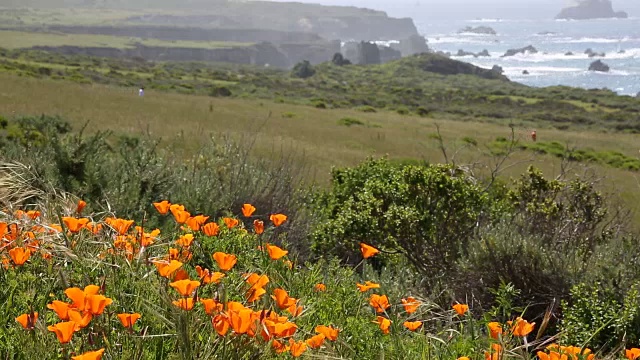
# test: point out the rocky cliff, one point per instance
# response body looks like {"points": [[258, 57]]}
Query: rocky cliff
{"points": [[591, 9]]}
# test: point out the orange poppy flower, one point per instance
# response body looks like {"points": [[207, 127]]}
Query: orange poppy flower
{"points": [[225, 261], [632, 354], [379, 302], [297, 348], [241, 320], [368, 250], [206, 277], [315, 342], [295, 310], [74, 225], [81, 205], [220, 324], [275, 252], [165, 269], [121, 226], [328, 331], [384, 324], [461, 309], [211, 306], [320, 287], [94, 228], [258, 226], [128, 320], [521, 327], [61, 309], [184, 303], [185, 287], [410, 304], [282, 298], [162, 207], [279, 347], [463, 358], [64, 331], [82, 319], [33, 214], [180, 274], [368, 285], [97, 303], [230, 222], [254, 279], [195, 222], [211, 229], [79, 297], [412, 325], [185, 240], [91, 355], [248, 210], [28, 321], [495, 329], [255, 293], [277, 328], [278, 219], [19, 255]]}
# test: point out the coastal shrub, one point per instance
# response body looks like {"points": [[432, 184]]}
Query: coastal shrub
{"points": [[129, 172], [597, 317], [427, 214], [303, 70], [348, 122]]}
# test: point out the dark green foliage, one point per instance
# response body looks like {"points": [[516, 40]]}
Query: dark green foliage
{"points": [[598, 318], [129, 173], [303, 70], [220, 91], [339, 60], [350, 122], [426, 213]]}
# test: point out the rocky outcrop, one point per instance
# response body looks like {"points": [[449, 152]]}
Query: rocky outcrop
{"points": [[591, 9], [443, 65], [367, 54], [569, 53], [482, 30], [388, 54], [412, 45], [525, 50], [592, 53], [599, 66], [483, 53]]}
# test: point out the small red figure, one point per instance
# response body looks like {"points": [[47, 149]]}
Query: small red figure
{"points": [[534, 136]]}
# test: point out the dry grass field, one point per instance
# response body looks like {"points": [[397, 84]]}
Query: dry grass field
{"points": [[315, 136]]}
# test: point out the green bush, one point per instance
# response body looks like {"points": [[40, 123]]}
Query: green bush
{"points": [[426, 213], [598, 318], [347, 121]]}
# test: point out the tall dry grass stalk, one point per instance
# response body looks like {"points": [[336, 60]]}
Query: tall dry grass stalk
{"points": [[15, 185]]}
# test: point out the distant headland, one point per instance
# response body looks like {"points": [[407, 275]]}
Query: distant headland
{"points": [[591, 9]]}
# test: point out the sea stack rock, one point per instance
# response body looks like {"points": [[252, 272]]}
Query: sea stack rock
{"points": [[591, 9], [482, 30], [527, 49], [599, 66]]}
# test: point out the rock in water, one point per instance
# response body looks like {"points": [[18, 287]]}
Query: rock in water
{"points": [[525, 72], [591, 9], [484, 53], [598, 65], [569, 54], [527, 49], [483, 30]]}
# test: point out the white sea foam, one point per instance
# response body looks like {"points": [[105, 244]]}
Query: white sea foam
{"points": [[516, 71], [462, 39], [485, 20], [570, 40]]}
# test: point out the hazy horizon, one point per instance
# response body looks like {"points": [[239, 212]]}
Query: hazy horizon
{"points": [[471, 9]]}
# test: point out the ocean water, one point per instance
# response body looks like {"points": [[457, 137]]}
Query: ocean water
{"points": [[619, 39]]}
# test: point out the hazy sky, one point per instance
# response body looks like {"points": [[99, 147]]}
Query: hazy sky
{"points": [[471, 9]]}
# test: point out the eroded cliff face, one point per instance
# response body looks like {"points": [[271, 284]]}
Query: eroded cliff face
{"points": [[591, 9], [263, 54]]}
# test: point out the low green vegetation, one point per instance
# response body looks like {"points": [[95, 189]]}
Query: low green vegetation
{"points": [[417, 85], [507, 249]]}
